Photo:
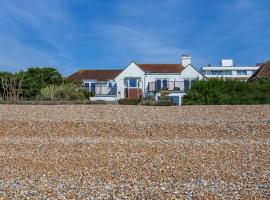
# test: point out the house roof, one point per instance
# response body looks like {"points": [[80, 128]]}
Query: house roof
{"points": [[161, 68], [100, 75], [262, 72]]}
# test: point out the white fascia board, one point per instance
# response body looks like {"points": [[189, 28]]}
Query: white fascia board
{"points": [[162, 73]]}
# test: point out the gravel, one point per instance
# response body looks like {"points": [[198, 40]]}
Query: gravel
{"points": [[134, 152]]}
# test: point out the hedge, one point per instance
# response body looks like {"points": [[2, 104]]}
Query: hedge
{"points": [[129, 101], [230, 92]]}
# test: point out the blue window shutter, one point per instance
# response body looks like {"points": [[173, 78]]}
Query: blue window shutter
{"points": [[158, 82], [93, 87]]}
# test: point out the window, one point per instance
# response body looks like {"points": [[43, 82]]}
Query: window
{"points": [[93, 87], [161, 84], [126, 82], [165, 84], [186, 85], [242, 72], [133, 82], [227, 72], [215, 72], [86, 86]]}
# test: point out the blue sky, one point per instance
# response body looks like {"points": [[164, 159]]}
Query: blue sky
{"points": [[81, 34]]}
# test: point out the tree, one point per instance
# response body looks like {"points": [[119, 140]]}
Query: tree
{"points": [[36, 78], [10, 86]]}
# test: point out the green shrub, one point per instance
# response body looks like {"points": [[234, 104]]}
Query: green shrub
{"points": [[231, 92], [129, 101], [63, 92]]}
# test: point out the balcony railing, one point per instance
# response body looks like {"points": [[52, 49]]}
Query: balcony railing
{"points": [[181, 86], [101, 90]]}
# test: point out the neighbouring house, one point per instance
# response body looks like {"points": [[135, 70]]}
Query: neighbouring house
{"points": [[100, 82], [262, 73], [227, 69], [147, 80]]}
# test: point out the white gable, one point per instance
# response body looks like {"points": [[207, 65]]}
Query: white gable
{"points": [[131, 71], [190, 72]]}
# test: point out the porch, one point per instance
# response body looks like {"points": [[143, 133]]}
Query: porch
{"points": [[101, 89]]}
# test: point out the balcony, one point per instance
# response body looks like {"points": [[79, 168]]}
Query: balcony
{"points": [[102, 90], [175, 86]]}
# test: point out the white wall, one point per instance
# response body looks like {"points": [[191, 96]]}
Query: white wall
{"points": [[103, 98], [191, 73]]}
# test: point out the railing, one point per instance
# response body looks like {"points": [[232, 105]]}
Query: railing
{"points": [[181, 86], [101, 90]]}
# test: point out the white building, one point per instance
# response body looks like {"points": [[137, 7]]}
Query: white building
{"points": [[141, 80], [229, 70]]}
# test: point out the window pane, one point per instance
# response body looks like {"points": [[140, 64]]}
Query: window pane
{"points": [[133, 82], [165, 84]]}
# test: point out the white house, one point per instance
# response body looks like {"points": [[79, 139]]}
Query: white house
{"points": [[229, 70], [142, 80]]}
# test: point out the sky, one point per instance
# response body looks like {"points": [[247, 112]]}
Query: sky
{"points": [[107, 34]]}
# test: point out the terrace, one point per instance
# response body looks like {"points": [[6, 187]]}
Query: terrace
{"points": [[102, 89], [176, 86]]}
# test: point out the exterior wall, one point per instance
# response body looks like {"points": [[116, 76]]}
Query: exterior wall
{"points": [[131, 71], [103, 98]]}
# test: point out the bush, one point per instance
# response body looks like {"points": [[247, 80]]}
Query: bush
{"points": [[36, 78], [129, 101], [63, 92], [230, 92]]}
